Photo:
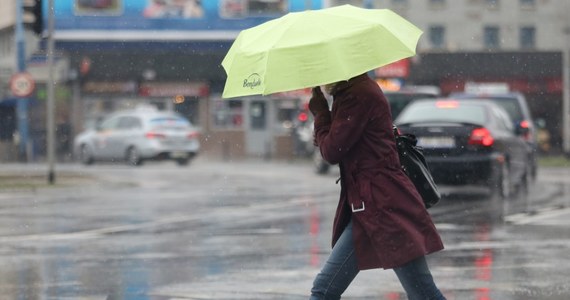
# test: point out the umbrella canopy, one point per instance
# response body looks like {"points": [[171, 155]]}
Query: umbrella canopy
{"points": [[315, 47]]}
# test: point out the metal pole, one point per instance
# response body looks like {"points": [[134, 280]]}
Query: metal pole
{"points": [[50, 97], [22, 104], [566, 102], [566, 87]]}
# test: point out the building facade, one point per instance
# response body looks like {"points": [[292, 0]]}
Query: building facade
{"points": [[120, 53], [520, 43], [168, 54], [483, 25]]}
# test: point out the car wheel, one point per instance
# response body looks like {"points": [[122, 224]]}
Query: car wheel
{"points": [[321, 166], [500, 184], [183, 161], [133, 157], [86, 156]]}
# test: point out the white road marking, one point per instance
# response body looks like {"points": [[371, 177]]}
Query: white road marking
{"points": [[541, 217]]}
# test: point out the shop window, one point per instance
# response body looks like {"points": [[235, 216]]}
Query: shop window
{"points": [[227, 114], [188, 107], [247, 8], [257, 115], [160, 105], [287, 112], [527, 37]]}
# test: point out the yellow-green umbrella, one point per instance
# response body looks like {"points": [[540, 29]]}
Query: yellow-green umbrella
{"points": [[315, 47]]}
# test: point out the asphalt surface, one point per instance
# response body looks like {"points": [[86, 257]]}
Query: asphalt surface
{"points": [[253, 230]]}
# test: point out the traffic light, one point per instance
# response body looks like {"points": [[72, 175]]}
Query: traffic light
{"points": [[32, 15]]}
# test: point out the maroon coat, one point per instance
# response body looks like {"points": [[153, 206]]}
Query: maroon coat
{"points": [[394, 227]]}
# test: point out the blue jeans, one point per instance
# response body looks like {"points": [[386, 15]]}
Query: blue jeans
{"points": [[341, 268]]}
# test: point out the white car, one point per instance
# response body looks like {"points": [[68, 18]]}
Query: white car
{"points": [[138, 135]]}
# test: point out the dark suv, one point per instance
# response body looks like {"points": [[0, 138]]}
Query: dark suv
{"points": [[516, 106]]}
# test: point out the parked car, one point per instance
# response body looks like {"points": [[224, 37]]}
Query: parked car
{"points": [[516, 106], [398, 100], [469, 142], [138, 135]]}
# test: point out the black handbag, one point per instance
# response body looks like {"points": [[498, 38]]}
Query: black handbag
{"points": [[414, 165]]}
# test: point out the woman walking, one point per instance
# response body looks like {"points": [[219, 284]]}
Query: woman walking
{"points": [[380, 220]]}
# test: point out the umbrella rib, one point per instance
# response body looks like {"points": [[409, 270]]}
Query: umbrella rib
{"points": [[292, 16]]}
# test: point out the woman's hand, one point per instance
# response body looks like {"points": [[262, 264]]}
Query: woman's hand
{"points": [[318, 102]]}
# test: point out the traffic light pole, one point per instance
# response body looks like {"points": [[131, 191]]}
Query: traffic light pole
{"points": [[50, 96], [566, 88], [22, 104]]}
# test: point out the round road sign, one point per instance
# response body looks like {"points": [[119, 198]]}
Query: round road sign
{"points": [[22, 84]]}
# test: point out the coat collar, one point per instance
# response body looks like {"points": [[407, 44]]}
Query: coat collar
{"points": [[343, 85]]}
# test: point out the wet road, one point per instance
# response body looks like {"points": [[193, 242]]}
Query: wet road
{"points": [[256, 230]]}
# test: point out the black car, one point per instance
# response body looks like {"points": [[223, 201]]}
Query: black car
{"points": [[516, 106], [468, 142]]}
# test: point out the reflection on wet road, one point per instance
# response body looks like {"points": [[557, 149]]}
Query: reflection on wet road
{"points": [[258, 230]]}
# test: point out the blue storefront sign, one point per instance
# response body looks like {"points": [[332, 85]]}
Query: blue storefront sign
{"points": [[166, 19]]}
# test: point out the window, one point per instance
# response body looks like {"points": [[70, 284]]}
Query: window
{"points": [[527, 4], [6, 44], [257, 114], [527, 37], [129, 123], [436, 3], [400, 3], [492, 4], [491, 37], [428, 111], [110, 124], [227, 114], [287, 112], [437, 36], [504, 121]]}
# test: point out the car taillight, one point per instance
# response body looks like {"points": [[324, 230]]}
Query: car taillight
{"points": [[154, 135], [482, 137], [447, 104], [192, 135], [524, 124]]}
